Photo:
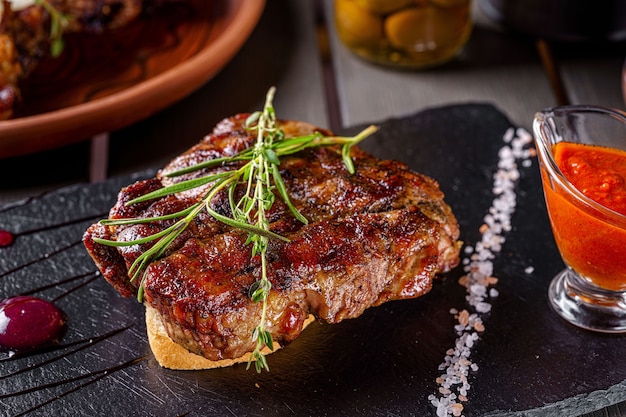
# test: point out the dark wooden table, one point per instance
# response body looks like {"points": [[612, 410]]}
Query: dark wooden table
{"points": [[295, 48]]}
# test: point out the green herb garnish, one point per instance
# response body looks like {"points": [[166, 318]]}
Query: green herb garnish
{"points": [[256, 169], [58, 23]]}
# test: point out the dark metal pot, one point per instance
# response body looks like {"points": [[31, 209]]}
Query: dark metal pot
{"points": [[561, 20]]}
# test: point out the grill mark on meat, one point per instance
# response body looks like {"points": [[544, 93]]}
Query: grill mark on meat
{"points": [[380, 234]]}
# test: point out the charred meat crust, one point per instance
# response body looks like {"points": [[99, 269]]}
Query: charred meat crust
{"points": [[381, 234]]}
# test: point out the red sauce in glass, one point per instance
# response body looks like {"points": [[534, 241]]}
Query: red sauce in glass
{"points": [[591, 243], [30, 323], [598, 172]]}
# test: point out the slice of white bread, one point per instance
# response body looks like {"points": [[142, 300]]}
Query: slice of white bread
{"points": [[170, 354]]}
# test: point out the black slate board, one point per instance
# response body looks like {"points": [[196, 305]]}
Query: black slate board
{"points": [[382, 364]]}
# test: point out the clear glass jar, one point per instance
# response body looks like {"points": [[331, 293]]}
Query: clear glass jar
{"points": [[404, 33]]}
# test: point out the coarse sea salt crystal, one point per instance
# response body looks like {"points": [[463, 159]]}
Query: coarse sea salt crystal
{"points": [[478, 266], [483, 307], [508, 135], [478, 289]]}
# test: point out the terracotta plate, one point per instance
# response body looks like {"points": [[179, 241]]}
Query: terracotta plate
{"points": [[103, 83], [624, 81]]}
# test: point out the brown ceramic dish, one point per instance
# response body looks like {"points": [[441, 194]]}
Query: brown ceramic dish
{"points": [[102, 83], [624, 81]]}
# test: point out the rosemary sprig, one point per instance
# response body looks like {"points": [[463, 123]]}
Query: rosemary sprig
{"points": [[255, 169], [58, 23]]}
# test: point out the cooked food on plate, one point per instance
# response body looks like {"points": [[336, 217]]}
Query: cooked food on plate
{"points": [[237, 242], [31, 30]]}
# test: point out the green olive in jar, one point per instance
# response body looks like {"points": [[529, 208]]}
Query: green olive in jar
{"points": [[357, 26], [404, 33], [384, 6], [408, 27], [424, 28]]}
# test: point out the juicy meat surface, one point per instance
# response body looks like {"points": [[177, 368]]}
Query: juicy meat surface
{"points": [[380, 234]]}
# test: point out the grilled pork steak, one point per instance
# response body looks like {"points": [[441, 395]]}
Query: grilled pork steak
{"points": [[380, 234]]}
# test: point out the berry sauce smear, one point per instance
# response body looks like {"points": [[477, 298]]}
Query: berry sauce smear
{"points": [[30, 323], [6, 238]]}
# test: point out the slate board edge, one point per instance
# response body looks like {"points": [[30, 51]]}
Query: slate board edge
{"points": [[574, 406]]}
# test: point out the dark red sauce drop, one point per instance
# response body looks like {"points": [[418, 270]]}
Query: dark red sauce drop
{"points": [[6, 238], [30, 323]]}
